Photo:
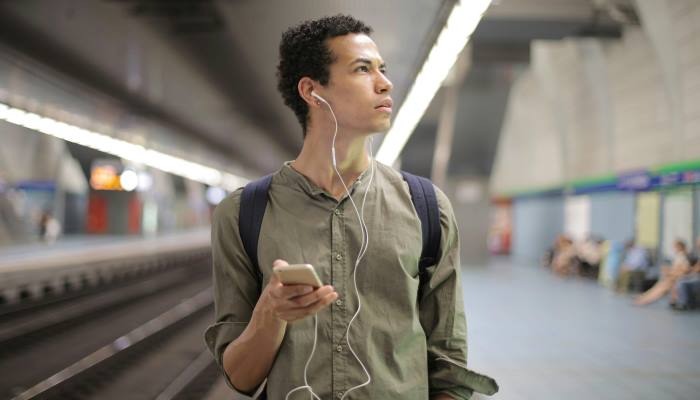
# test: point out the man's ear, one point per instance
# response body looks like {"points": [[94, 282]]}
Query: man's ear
{"points": [[305, 87]]}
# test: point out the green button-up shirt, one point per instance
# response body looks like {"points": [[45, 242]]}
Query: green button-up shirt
{"points": [[412, 347]]}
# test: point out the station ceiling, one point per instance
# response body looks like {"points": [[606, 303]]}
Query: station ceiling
{"points": [[215, 82]]}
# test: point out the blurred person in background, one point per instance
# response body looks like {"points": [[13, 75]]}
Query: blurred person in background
{"points": [[565, 256], [49, 228], [590, 253], [680, 266], [551, 252], [633, 267], [685, 294]]}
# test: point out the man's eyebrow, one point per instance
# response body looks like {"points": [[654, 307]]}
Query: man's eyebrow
{"points": [[367, 61]]}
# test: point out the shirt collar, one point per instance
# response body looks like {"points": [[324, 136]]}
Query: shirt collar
{"points": [[294, 178]]}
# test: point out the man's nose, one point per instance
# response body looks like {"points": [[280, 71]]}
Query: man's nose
{"points": [[383, 84]]}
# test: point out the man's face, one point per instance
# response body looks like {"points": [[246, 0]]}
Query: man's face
{"points": [[358, 90]]}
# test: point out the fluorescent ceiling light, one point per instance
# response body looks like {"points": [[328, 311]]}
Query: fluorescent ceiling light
{"points": [[461, 23], [123, 149]]}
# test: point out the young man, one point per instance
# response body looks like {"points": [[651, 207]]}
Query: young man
{"points": [[410, 333]]}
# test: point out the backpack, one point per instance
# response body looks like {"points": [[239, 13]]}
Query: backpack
{"points": [[254, 202]]}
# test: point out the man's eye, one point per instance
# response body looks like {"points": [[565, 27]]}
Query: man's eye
{"points": [[363, 68]]}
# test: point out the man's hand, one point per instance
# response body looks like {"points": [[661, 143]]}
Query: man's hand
{"points": [[294, 302]]}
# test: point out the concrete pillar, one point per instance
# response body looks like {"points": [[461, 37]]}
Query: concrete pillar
{"points": [[657, 23], [596, 77], [546, 75]]}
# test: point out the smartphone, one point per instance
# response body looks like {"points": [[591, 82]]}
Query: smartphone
{"points": [[298, 274]]}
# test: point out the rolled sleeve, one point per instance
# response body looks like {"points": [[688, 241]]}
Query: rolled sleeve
{"points": [[442, 316], [236, 285], [220, 334]]}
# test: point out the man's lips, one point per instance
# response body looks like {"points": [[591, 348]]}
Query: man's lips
{"points": [[385, 105]]}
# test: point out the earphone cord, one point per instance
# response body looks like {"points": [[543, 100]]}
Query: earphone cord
{"points": [[363, 250], [306, 367], [361, 254]]}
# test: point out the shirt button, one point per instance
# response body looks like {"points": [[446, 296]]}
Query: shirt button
{"points": [[338, 257], [337, 212], [339, 348], [339, 395], [339, 303]]}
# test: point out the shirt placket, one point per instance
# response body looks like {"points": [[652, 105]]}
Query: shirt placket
{"points": [[339, 314]]}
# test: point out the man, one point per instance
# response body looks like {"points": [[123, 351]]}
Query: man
{"points": [[413, 346]]}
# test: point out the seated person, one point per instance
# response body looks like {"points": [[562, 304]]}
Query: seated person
{"points": [[565, 256], [551, 252], [684, 293], [590, 254], [669, 275], [635, 262], [694, 257]]}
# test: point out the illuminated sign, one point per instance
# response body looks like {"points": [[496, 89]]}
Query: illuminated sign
{"points": [[105, 177], [108, 174]]}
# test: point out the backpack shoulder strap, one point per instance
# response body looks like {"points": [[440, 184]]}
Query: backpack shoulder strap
{"points": [[425, 201], [250, 215], [254, 201]]}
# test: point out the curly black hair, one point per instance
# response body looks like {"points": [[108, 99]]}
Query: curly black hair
{"points": [[304, 52]]}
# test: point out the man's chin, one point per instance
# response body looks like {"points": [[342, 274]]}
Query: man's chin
{"points": [[383, 127]]}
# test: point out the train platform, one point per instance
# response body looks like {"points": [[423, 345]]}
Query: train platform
{"points": [[33, 271], [86, 245], [546, 337]]}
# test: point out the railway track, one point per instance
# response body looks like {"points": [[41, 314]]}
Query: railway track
{"points": [[62, 349], [162, 359]]}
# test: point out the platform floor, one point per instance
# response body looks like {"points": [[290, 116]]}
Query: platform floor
{"points": [[544, 337]]}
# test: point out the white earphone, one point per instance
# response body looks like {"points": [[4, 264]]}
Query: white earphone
{"points": [[318, 97], [363, 249]]}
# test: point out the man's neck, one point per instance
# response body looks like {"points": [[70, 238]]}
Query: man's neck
{"points": [[315, 160]]}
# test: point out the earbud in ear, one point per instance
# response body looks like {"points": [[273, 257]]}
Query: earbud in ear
{"points": [[318, 97]]}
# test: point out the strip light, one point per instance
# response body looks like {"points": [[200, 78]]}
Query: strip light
{"points": [[123, 149], [461, 23]]}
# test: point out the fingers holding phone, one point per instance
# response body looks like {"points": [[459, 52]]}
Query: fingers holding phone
{"points": [[296, 292]]}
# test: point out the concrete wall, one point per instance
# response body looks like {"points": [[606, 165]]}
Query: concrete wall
{"points": [[529, 140], [589, 107], [677, 219], [613, 215], [536, 223], [577, 217], [470, 202], [696, 232]]}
